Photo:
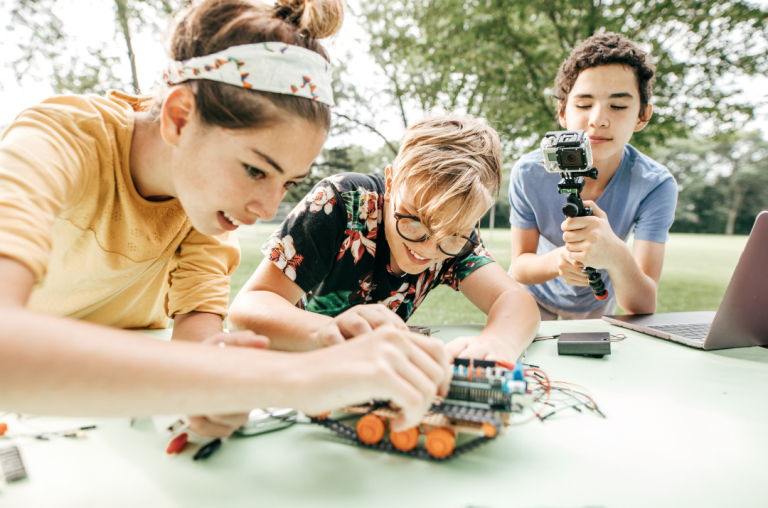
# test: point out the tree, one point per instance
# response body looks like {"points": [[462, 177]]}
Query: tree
{"points": [[345, 159], [45, 44], [499, 58], [723, 185]]}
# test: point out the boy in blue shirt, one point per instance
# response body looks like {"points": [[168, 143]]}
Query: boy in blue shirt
{"points": [[603, 88]]}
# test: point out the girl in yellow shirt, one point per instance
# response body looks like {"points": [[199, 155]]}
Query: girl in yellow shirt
{"points": [[120, 211]]}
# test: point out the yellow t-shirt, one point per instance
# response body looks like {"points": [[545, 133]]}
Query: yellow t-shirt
{"points": [[99, 251]]}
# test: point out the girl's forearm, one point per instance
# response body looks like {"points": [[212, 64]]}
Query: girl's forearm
{"points": [[288, 327], [54, 365]]}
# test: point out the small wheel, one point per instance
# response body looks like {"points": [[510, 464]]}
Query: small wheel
{"points": [[370, 429], [440, 442], [406, 440], [489, 430], [323, 416]]}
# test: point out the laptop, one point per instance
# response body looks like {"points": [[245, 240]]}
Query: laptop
{"points": [[741, 320]]}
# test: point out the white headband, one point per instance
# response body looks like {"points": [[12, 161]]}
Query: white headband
{"points": [[268, 66]]}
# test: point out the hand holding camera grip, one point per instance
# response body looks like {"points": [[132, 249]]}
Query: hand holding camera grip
{"points": [[595, 280]]}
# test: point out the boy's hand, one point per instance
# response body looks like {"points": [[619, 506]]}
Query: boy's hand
{"points": [[358, 320], [481, 348], [590, 240], [386, 364], [569, 270], [225, 425]]}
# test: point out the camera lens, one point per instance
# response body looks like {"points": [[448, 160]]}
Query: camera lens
{"points": [[571, 158]]}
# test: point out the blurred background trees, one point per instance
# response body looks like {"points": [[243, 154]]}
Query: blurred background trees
{"points": [[493, 58]]}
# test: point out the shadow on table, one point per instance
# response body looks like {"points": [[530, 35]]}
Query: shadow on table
{"points": [[752, 354]]}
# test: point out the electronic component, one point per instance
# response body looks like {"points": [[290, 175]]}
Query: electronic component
{"points": [[11, 464], [482, 396], [592, 344], [424, 330], [267, 420]]}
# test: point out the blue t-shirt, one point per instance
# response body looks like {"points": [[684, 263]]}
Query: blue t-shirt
{"points": [[642, 194]]}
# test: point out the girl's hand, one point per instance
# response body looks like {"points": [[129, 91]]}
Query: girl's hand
{"points": [[358, 320], [225, 425], [481, 348], [387, 363]]}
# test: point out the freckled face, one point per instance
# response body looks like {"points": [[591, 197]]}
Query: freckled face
{"points": [[224, 178], [605, 103]]}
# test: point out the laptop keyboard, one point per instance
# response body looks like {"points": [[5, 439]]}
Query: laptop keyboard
{"points": [[694, 332]]}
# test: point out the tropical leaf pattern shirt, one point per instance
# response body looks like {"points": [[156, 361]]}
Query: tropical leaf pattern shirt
{"points": [[333, 245]]}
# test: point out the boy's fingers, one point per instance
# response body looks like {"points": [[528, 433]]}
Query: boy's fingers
{"points": [[352, 325], [333, 336], [390, 316], [596, 211], [378, 315]]}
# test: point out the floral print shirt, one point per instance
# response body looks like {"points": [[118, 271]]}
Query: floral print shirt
{"points": [[333, 245]]}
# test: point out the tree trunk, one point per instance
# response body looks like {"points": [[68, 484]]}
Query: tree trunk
{"points": [[738, 197], [122, 20]]}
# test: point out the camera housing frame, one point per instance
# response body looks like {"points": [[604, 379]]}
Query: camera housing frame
{"points": [[566, 151]]}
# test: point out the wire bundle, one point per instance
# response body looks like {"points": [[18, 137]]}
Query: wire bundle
{"points": [[542, 390]]}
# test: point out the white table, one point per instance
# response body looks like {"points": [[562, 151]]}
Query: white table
{"points": [[684, 428]]}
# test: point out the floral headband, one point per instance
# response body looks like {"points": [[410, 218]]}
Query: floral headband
{"points": [[268, 66]]}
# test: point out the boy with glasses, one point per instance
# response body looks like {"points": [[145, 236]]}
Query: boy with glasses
{"points": [[362, 251]]}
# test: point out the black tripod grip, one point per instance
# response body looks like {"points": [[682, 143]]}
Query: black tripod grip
{"points": [[596, 283]]}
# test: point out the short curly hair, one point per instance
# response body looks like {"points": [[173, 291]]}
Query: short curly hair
{"points": [[606, 49]]}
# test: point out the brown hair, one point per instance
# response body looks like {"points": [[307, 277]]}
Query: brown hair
{"points": [[214, 25], [606, 49], [452, 164]]}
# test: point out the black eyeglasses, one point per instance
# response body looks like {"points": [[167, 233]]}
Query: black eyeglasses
{"points": [[411, 229]]}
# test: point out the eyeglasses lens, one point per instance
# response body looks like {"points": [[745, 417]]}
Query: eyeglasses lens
{"points": [[411, 229]]}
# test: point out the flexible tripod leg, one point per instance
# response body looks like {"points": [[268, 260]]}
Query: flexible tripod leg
{"points": [[574, 207], [596, 283]]}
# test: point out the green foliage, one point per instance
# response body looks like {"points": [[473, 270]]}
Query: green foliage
{"points": [[47, 49], [723, 183], [345, 159], [499, 58]]}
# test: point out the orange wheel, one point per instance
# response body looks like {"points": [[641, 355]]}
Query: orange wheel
{"points": [[489, 430], [406, 440], [440, 442], [323, 416], [370, 429], [3, 428]]}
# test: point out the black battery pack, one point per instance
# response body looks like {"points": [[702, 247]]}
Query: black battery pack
{"points": [[594, 345]]}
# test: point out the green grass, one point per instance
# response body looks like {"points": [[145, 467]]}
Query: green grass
{"points": [[697, 269]]}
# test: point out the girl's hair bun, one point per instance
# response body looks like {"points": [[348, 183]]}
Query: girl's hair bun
{"points": [[317, 19]]}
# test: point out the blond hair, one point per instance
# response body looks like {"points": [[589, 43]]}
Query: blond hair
{"points": [[452, 165]]}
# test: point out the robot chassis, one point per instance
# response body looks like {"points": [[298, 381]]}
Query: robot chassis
{"points": [[482, 396]]}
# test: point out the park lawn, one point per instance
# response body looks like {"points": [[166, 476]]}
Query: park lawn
{"points": [[697, 269]]}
